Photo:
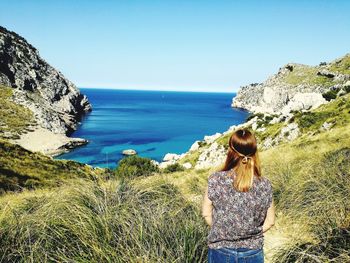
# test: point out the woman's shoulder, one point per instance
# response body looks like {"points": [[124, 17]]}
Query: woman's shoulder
{"points": [[265, 183], [217, 175]]}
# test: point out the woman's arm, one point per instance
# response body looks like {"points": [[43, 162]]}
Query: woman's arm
{"points": [[270, 217], [207, 208]]}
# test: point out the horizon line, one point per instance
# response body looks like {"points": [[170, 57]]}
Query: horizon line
{"points": [[147, 89]]}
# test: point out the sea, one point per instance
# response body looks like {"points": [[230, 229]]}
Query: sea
{"points": [[151, 122]]}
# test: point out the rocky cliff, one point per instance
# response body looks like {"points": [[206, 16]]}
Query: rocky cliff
{"points": [[295, 87], [56, 102], [298, 101]]}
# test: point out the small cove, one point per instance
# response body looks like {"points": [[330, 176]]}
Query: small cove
{"points": [[151, 122]]}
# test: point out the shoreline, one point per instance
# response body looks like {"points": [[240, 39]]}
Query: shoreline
{"points": [[48, 143]]}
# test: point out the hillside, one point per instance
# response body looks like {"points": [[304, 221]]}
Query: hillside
{"points": [[296, 87], [158, 216], [56, 103], [31, 88], [136, 214]]}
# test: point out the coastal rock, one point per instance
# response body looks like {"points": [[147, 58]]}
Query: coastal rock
{"points": [[165, 164], [57, 104], [288, 133], [195, 146], [187, 165], [129, 152], [304, 101], [230, 130], [326, 126], [294, 87], [214, 155], [211, 138], [171, 157], [261, 129], [155, 162]]}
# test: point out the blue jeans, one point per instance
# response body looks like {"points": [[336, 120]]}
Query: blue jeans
{"points": [[231, 255]]}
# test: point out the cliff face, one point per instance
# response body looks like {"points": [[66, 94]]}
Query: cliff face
{"points": [[57, 104], [294, 87]]}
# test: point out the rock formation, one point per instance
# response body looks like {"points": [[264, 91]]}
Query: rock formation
{"points": [[57, 104], [129, 152], [294, 87]]}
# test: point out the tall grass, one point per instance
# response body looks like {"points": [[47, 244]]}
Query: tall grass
{"points": [[322, 200], [85, 222], [311, 178]]}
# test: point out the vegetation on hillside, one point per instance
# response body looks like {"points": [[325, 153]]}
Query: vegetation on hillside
{"points": [[135, 166], [87, 222], [341, 66], [302, 74], [70, 212], [14, 119], [311, 178], [20, 168], [308, 75], [152, 218], [336, 112]]}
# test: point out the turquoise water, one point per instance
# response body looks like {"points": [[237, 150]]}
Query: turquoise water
{"points": [[151, 122]]}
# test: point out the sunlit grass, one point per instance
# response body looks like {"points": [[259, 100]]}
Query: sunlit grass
{"points": [[14, 119]]}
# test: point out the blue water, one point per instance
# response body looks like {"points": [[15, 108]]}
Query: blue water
{"points": [[151, 122]]}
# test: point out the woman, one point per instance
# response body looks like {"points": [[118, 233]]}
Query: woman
{"points": [[238, 204]]}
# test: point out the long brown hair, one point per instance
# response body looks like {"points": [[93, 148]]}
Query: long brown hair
{"points": [[242, 158]]}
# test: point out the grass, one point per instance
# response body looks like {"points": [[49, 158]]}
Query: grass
{"points": [[69, 212], [191, 157], [302, 74], [311, 187], [85, 221], [336, 112], [20, 168], [341, 66], [157, 218], [307, 75], [14, 119]]}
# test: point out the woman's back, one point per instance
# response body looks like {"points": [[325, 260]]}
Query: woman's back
{"points": [[238, 216]]}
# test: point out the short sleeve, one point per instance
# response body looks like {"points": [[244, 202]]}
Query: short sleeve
{"points": [[212, 186]]}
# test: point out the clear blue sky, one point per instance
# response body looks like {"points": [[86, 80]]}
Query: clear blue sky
{"points": [[179, 45]]}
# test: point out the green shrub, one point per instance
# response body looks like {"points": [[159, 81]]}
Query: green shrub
{"points": [[202, 143], [134, 166], [309, 119], [252, 115], [330, 95], [347, 89], [176, 167]]}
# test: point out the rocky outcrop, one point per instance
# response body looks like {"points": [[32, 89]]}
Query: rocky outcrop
{"points": [[170, 158], [294, 87], [214, 155], [129, 152], [56, 102]]}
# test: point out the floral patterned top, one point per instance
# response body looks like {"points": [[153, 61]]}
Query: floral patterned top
{"points": [[238, 217]]}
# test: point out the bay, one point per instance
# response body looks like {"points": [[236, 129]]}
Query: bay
{"points": [[151, 122]]}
